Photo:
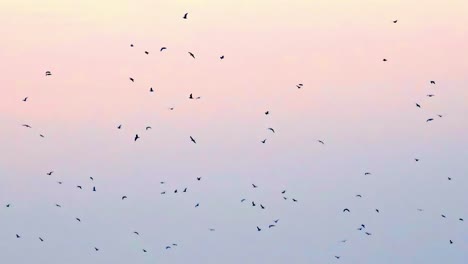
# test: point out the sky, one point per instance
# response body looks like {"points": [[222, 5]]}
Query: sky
{"points": [[362, 108]]}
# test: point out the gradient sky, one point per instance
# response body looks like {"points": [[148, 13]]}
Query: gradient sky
{"points": [[364, 110]]}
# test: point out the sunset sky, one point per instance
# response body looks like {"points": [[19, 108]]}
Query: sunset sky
{"points": [[364, 110]]}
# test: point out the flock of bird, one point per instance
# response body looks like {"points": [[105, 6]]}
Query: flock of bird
{"points": [[252, 203]]}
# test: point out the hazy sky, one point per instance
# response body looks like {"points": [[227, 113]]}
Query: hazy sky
{"points": [[361, 107]]}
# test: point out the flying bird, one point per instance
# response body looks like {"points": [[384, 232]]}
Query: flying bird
{"points": [[443, 216], [283, 192], [131, 79], [243, 200], [261, 206], [79, 187], [42, 240], [146, 52], [58, 205], [144, 250], [212, 229], [25, 99], [91, 178], [394, 21], [461, 219], [185, 190], [253, 203], [151, 89], [136, 233], [193, 140], [77, 219], [190, 96], [124, 197], [430, 95], [377, 210], [163, 48], [198, 178], [337, 257], [272, 130], [263, 141], [384, 59], [294, 200], [430, 119], [197, 205], [191, 54], [8, 205], [418, 105], [270, 226], [18, 236], [136, 137], [432, 82], [259, 229], [222, 57], [321, 142], [95, 248], [367, 173], [276, 221], [48, 73], [50, 173], [451, 242], [26, 125], [253, 185], [94, 188], [148, 127], [185, 16], [346, 210], [119, 127], [267, 112], [131, 45], [416, 160], [367, 233]]}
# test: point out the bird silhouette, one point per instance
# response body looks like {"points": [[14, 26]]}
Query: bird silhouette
{"points": [[451, 242], [432, 82], [50, 173], [8, 205], [41, 135], [131, 79], [191, 54], [148, 127], [253, 185], [283, 192], [185, 16], [267, 112], [48, 73], [42, 240], [151, 89], [416, 159], [212, 229], [261, 206], [124, 197], [222, 57], [198, 178], [171, 108], [270, 226], [276, 221], [136, 137], [26, 125], [253, 203], [449, 178], [430, 119], [94, 188], [78, 219], [443, 216], [193, 140], [95, 248], [25, 99], [197, 205], [259, 229], [119, 127], [136, 233], [384, 59], [367, 173], [146, 52], [367, 233], [131, 45], [190, 96], [175, 191], [346, 210], [79, 187], [377, 210], [91, 178], [430, 95], [58, 205], [321, 142], [294, 200], [394, 21], [461, 219], [163, 48], [358, 195], [285, 198], [185, 190], [242, 200], [18, 236], [144, 250], [272, 130], [263, 141], [418, 105]]}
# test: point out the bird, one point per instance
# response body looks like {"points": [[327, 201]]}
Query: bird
{"points": [[443, 216], [430, 95], [50, 173], [41, 135], [270, 226], [136, 233], [367, 173], [131, 79], [26, 125], [242, 200], [461, 219], [193, 140], [198, 178], [191, 54], [136, 137], [222, 57], [144, 250], [344, 241], [276, 221], [430, 119], [261, 206], [416, 159], [432, 82], [94, 188], [18, 236], [146, 52], [358, 195], [259, 229], [267, 112], [58, 205], [163, 192], [171, 108], [294, 200], [91, 178], [451, 242], [418, 105], [253, 203], [285, 198], [59, 182], [119, 127], [283, 192], [263, 141], [42, 240], [25, 99], [185, 16], [175, 245], [346, 210], [175, 191], [151, 89], [377, 210], [253, 185], [124, 197], [337, 257], [148, 127], [367, 233], [8, 205], [185, 190], [439, 116], [272, 130], [163, 48], [79, 187], [197, 205], [212, 229], [449, 178], [363, 225], [168, 247], [420, 210], [95, 248], [394, 21], [78, 219], [48, 73], [321, 142], [190, 96], [384, 59]]}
